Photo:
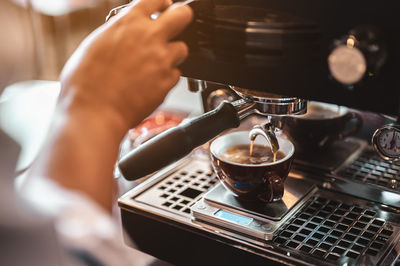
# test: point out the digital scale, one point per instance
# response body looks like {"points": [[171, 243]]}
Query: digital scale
{"points": [[219, 209]]}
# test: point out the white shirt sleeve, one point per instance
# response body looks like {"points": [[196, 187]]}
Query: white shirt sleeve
{"points": [[81, 224]]}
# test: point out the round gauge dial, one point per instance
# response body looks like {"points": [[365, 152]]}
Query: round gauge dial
{"points": [[386, 141], [347, 64]]}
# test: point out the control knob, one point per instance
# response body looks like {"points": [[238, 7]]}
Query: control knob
{"points": [[357, 56]]}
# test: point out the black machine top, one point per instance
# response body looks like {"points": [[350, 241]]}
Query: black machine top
{"points": [[338, 52], [252, 17], [250, 36]]}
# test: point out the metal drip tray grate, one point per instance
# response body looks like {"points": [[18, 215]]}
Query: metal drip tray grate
{"points": [[181, 189], [319, 230], [332, 230], [370, 168]]}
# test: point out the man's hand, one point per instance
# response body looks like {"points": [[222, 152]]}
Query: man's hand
{"points": [[126, 67], [115, 79]]}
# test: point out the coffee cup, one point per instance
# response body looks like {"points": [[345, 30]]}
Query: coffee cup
{"points": [[321, 126], [251, 181]]}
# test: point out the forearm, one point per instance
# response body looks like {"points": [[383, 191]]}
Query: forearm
{"points": [[81, 150], [117, 77]]}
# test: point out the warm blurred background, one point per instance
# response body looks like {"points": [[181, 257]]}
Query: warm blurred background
{"points": [[38, 36], [36, 39]]}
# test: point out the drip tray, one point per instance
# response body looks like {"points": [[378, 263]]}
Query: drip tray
{"points": [[330, 159], [220, 208]]}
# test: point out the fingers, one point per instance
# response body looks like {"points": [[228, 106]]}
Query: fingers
{"points": [[178, 52], [174, 20], [149, 7]]}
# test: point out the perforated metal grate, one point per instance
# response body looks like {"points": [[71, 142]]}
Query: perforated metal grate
{"points": [[180, 190], [370, 168], [331, 229]]}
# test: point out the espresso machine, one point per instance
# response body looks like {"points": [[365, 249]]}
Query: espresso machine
{"points": [[265, 58]]}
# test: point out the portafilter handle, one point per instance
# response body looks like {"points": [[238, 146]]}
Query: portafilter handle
{"points": [[177, 142]]}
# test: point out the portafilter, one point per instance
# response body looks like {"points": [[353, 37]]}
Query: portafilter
{"points": [[177, 142]]}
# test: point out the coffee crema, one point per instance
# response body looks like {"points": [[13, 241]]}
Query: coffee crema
{"points": [[241, 154]]}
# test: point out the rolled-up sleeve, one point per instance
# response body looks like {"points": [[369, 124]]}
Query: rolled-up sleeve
{"points": [[82, 227]]}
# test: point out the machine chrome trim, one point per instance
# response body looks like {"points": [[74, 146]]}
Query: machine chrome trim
{"points": [[269, 104]]}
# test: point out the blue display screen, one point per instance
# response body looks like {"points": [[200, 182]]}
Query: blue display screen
{"points": [[234, 218]]}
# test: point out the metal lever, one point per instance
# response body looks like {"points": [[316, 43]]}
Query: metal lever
{"points": [[115, 11]]}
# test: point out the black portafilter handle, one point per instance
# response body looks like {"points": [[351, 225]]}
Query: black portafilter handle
{"points": [[177, 142]]}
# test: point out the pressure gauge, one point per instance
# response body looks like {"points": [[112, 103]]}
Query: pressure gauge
{"points": [[386, 142]]}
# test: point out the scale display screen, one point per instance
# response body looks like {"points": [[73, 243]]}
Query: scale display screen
{"points": [[234, 218]]}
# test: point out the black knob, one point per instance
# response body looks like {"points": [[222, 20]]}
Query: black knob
{"points": [[357, 56]]}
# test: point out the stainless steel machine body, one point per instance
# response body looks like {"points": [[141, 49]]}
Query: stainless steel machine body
{"points": [[347, 209], [183, 215]]}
